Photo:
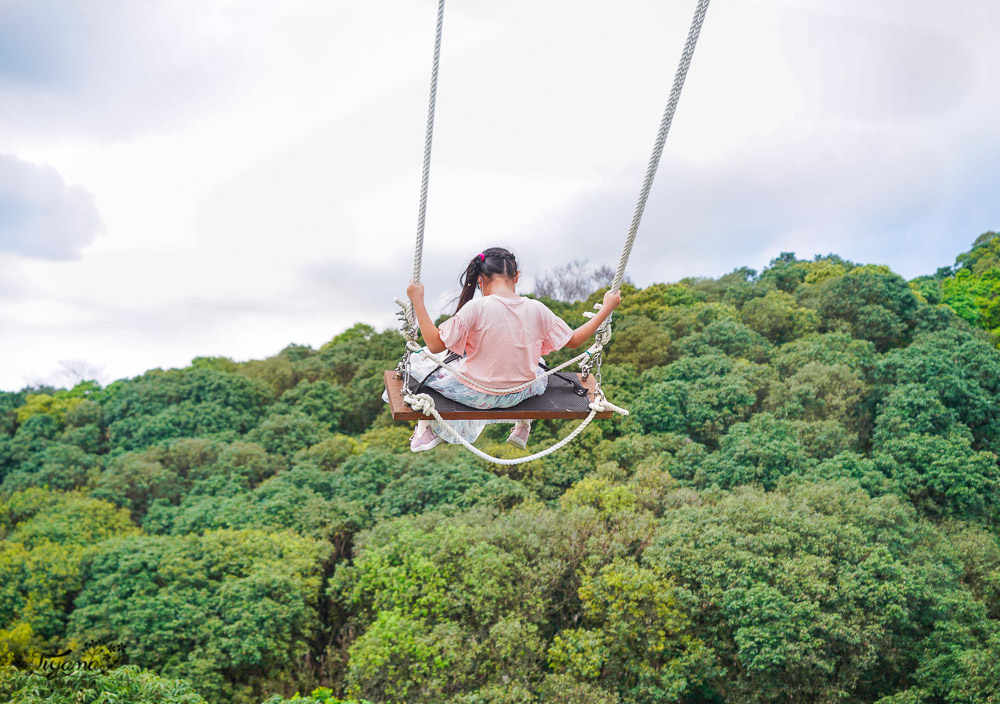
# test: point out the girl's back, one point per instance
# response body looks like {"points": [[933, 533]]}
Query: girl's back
{"points": [[503, 337]]}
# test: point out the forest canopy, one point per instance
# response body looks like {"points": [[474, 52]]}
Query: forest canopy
{"points": [[802, 506]]}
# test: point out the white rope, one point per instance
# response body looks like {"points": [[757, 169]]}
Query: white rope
{"points": [[425, 404], [661, 138], [418, 255]]}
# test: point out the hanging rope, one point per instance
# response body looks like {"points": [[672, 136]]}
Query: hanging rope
{"points": [[424, 403], [418, 255], [661, 138]]}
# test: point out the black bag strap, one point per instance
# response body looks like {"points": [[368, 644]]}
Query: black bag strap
{"points": [[570, 379], [451, 357]]}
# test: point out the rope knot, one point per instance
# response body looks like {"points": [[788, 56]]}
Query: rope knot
{"points": [[420, 402], [603, 335]]}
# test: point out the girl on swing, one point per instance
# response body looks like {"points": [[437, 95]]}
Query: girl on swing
{"points": [[502, 336]]}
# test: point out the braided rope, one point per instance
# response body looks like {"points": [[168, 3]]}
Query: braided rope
{"points": [[425, 404], [418, 255], [661, 138]]}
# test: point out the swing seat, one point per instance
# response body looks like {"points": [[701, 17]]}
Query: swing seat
{"points": [[558, 401]]}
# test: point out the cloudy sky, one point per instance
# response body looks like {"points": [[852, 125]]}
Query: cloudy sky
{"points": [[225, 177]]}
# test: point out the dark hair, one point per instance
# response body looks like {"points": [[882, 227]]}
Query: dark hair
{"points": [[495, 261]]}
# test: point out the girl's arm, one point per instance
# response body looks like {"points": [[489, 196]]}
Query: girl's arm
{"points": [[587, 330], [432, 338]]}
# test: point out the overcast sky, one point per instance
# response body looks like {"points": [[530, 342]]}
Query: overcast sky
{"points": [[225, 177]]}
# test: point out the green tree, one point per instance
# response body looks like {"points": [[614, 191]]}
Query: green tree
{"points": [[710, 392], [464, 604], [984, 255], [135, 479], [638, 638], [45, 537], [127, 683], [785, 272], [962, 370], [818, 592], [9, 403], [778, 317], [976, 298], [284, 434], [872, 304], [232, 611], [321, 401], [818, 392], [640, 342], [759, 451], [54, 464], [682, 321], [660, 408], [922, 447], [194, 402], [728, 337], [829, 349]]}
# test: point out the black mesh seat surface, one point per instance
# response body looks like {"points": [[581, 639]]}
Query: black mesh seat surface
{"points": [[558, 401]]}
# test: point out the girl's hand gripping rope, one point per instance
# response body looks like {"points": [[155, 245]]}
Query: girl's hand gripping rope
{"points": [[415, 292]]}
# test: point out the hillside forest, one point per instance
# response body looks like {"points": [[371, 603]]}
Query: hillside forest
{"points": [[802, 506]]}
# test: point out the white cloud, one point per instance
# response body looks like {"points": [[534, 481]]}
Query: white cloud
{"points": [[256, 164], [115, 70], [40, 215]]}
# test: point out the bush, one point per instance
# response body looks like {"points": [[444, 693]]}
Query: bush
{"points": [[128, 684]]}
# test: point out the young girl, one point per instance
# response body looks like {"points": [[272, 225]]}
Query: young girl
{"points": [[502, 336]]}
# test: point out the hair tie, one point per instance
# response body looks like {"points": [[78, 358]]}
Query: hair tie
{"points": [[482, 257]]}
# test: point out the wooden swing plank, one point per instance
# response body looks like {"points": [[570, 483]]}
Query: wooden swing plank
{"points": [[558, 401]]}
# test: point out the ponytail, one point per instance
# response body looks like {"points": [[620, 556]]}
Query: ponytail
{"points": [[469, 280], [495, 261]]}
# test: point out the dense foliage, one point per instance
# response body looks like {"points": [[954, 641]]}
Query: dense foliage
{"points": [[803, 506], [83, 686]]}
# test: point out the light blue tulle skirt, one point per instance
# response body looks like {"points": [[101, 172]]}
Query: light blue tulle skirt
{"points": [[449, 386]]}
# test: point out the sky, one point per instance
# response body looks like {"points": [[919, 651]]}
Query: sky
{"points": [[226, 177]]}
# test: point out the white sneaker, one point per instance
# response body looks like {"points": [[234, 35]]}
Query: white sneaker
{"points": [[519, 435], [426, 440]]}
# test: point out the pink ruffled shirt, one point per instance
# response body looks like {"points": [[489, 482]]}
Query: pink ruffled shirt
{"points": [[502, 338]]}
